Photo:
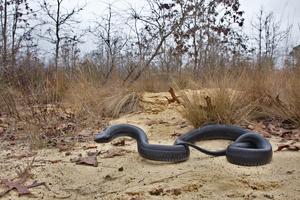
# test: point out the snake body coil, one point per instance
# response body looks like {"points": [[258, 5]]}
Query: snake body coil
{"points": [[248, 148]]}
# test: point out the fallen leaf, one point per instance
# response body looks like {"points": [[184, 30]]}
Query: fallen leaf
{"points": [[90, 147], [288, 125], [291, 147], [191, 188], [291, 135], [162, 122], [176, 135], [90, 160], [151, 122], [156, 192], [274, 130], [290, 172], [115, 152], [21, 189], [55, 161], [174, 191], [251, 127], [183, 126]]}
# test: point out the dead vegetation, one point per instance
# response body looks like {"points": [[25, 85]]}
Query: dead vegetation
{"points": [[52, 97], [121, 103], [18, 183], [60, 107], [44, 114], [287, 105], [247, 95], [221, 106]]}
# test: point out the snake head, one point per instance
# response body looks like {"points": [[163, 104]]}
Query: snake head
{"points": [[102, 137]]}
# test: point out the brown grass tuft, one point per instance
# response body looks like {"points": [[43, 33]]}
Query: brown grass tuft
{"points": [[85, 97], [222, 106], [287, 104], [88, 97], [121, 103]]}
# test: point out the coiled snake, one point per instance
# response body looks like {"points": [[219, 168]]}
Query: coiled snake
{"points": [[248, 148]]}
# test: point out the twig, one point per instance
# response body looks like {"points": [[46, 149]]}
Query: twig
{"points": [[173, 95], [169, 177]]}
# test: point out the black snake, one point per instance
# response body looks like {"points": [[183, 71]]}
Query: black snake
{"points": [[248, 148]]}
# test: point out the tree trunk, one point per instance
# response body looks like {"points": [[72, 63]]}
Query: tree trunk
{"points": [[57, 29], [4, 36]]}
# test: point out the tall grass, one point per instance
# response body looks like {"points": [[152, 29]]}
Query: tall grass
{"points": [[85, 97], [225, 96], [122, 102], [219, 105], [286, 105], [248, 94]]}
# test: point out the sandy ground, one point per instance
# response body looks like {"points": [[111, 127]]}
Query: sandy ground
{"points": [[131, 177]]}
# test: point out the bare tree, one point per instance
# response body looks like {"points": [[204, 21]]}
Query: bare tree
{"points": [[61, 23], [156, 28], [17, 25], [4, 27], [258, 26], [70, 53], [269, 36], [110, 40], [210, 34]]}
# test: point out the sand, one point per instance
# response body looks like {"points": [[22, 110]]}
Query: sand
{"points": [[129, 176]]}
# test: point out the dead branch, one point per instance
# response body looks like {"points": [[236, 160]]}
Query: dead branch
{"points": [[173, 95]]}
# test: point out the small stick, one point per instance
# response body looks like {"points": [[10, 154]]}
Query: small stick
{"points": [[169, 177]]}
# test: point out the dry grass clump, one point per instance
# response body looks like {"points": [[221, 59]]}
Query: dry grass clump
{"points": [[122, 102], [259, 83], [45, 85], [287, 104], [293, 94], [220, 105], [222, 101], [85, 97]]}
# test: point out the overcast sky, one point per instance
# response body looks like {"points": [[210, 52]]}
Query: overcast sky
{"points": [[288, 11]]}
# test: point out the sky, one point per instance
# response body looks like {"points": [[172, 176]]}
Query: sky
{"points": [[287, 11]]}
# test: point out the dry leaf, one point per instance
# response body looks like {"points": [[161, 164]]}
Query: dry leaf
{"points": [[21, 189], [115, 152], [151, 122], [176, 135], [291, 147], [90, 160], [156, 192], [90, 147], [55, 161]]}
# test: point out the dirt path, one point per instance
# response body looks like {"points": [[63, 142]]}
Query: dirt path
{"points": [[131, 177]]}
